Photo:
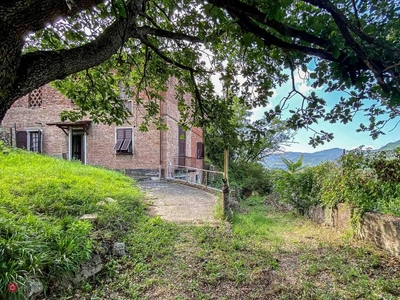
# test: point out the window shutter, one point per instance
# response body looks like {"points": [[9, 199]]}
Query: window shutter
{"points": [[124, 141], [200, 150], [127, 139], [22, 139], [128, 133], [125, 145], [120, 139], [120, 134]]}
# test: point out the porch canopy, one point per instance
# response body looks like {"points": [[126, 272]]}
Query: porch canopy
{"points": [[66, 125]]}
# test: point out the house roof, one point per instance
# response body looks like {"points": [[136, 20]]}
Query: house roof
{"points": [[66, 125]]}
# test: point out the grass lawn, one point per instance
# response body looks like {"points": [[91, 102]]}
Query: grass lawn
{"points": [[263, 254], [41, 201]]}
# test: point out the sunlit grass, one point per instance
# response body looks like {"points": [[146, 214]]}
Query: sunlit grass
{"points": [[41, 201]]}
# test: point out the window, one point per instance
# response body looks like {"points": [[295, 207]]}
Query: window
{"points": [[123, 141], [30, 140], [200, 150], [129, 106], [35, 98], [124, 96]]}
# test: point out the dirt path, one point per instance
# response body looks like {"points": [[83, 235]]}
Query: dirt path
{"points": [[180, 203]]}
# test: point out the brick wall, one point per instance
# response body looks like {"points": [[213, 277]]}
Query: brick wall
{"points": [[100, 139], [170, 138]]}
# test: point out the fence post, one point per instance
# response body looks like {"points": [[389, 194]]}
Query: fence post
{"points": [[225, 199], [225, 187]]}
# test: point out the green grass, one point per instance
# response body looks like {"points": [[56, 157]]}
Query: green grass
{"points": [[262, 254], [41, 201]]}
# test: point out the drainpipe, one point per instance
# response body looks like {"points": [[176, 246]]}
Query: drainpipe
{"points": [[160, 165]]}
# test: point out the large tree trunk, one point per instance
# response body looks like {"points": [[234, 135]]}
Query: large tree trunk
{"points": [[19, 74], [10, 57]]}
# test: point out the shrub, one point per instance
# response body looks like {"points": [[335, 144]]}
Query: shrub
{"points": [[296, 185], [251, 178], [329, 184], [41, 201], [368, 181], [372, 181]]}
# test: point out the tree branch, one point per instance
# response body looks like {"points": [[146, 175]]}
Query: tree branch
{"points": [[336, 13], [240, 9], [166, 58], [271, 40], [40, 67]]}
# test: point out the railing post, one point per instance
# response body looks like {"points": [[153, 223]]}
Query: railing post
{"points": [[206, 178], [225, 198], [225, 187]]}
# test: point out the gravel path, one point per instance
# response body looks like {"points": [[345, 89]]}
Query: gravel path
{"points": [[179, 203]]}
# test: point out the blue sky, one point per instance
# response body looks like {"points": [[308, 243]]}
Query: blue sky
{"points": [[345, 135]]}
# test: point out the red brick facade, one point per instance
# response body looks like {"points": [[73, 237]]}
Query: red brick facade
{"points": [[152, 151]]}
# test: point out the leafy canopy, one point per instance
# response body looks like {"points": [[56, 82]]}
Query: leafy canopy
{"points": [[95, 45]]}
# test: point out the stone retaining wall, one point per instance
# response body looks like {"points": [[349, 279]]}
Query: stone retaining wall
{"points": [[381, 230]]}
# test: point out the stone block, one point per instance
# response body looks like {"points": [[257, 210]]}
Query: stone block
{"points": [[381, 230]]}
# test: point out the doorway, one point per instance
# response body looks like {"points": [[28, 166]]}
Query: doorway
{"points": [[78, 145]]}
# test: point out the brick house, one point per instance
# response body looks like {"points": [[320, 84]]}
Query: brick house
{"points": [[34, 124]]}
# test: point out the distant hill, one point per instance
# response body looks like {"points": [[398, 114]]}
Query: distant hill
{"points": [[312, 159], [391, 146]]}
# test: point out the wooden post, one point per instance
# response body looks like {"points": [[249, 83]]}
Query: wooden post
{"points": [[225, 187], [226, 163]]}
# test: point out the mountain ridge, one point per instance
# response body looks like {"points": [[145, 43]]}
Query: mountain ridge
{"points": [[312, 159]]}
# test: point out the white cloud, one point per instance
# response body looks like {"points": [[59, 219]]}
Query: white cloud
{"points": [[304, 88], [300, 76], [301, 80]]}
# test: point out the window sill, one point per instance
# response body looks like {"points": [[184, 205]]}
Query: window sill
{"points": [[123, 153]]}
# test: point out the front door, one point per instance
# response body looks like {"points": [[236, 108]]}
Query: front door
{"points": [[181, 146], [78, 145]]}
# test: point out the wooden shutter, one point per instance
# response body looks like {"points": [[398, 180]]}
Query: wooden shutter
{"points": [[200, 150], [127, 140], [120, 139], [22, 139]]}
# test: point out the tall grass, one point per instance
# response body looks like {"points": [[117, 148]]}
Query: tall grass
{"points": [[41, 202]]}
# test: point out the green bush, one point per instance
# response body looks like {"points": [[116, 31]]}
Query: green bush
{"points": [[295, 186], [372, 181], [41, 201], [329, 184], [251, 178]]}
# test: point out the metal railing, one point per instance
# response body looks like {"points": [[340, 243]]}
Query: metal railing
{"points": [[207, 178], [188, 161]]}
